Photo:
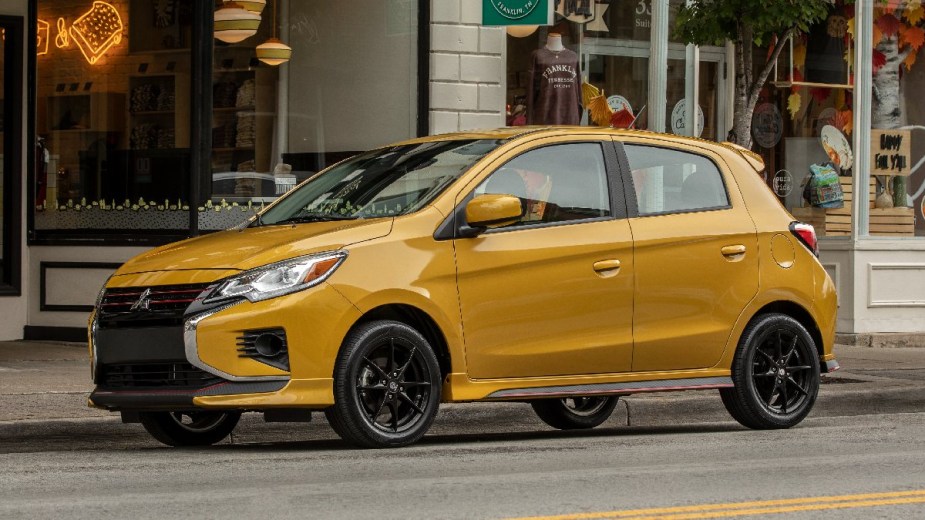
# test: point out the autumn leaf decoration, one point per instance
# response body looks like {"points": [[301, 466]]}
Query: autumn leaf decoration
{"points": [[901, 20]]}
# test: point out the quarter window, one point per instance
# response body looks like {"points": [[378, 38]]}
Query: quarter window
{"points": [[671, 181], [556, 183]]}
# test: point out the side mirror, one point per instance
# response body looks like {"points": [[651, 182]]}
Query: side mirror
{"points": [[491, 211]]}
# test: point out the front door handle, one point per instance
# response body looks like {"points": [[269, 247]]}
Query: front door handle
{"points": [[607, 265], [733, 251]]}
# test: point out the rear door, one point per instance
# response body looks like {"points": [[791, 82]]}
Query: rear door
{"points": [[696, 255]]}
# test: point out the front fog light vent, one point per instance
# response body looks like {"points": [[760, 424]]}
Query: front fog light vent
{"points": [[268, 346]]}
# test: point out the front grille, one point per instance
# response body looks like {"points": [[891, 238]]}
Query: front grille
{"points": [[177, 375], [147, 306]]}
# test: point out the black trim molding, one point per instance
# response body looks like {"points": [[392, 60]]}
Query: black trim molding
{"points": [[11, 264], [39, 333], [43, 269]]}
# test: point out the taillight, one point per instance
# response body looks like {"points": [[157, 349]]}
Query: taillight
{"points": [[807, 234]]}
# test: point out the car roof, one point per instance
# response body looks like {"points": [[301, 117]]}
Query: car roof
{"points": [[512, 132]]}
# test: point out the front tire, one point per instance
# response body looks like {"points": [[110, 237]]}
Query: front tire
{"points": [[575, 413], [189, 428], [387, 386], [775, 372]]}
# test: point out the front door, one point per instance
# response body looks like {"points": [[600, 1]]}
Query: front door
{"points": [[552, 294]]}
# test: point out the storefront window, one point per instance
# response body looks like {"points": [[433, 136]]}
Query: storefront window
{"points": [[897, 137], [612, 41], [350, 85], [112, 115]]}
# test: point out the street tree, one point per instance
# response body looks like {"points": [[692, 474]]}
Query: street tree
{"points": [[747, 23]]}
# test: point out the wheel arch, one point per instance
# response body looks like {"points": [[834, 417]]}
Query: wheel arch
{"points": [[418, 320], [797, 312]]}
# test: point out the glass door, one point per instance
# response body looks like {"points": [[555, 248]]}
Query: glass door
{"points": [[621, 68], [11, 77]]}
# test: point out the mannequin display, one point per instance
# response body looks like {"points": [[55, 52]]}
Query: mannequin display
{"points": [[554, 85]]}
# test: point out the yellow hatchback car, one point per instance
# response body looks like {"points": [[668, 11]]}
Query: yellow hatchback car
{"points": [[564, 267]]}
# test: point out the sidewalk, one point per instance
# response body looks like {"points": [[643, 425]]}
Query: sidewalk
{"points": [[42, 381]]}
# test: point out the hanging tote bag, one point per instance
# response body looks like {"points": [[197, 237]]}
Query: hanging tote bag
{"points": [[824, 189]]}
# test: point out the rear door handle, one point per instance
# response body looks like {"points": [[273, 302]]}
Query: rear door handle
{"points": [[606, 265], [735, 250]]}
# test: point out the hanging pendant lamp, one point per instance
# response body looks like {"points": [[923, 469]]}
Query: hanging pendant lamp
{"points": [[254, 6], [233, 23], [273, 51]]}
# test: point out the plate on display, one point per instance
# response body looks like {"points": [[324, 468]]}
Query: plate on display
{"points": [[837, 147]]}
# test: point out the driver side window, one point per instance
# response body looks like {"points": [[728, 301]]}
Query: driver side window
{"points": [[557, 183]]}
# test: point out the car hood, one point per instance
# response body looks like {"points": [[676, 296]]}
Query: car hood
{"points": [[253, 247]]}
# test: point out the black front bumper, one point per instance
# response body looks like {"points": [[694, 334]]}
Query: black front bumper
{"points": [[146, 368]]}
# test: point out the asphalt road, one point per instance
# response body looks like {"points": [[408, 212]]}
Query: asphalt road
{"points": [[678, 455], [108, 470]]}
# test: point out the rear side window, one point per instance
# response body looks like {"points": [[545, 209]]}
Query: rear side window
{"points": [[557, 183], [671, 181]]}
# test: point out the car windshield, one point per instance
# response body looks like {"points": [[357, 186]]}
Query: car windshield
{"points": [[381, 183]]}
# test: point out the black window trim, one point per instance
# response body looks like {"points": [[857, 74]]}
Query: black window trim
{"points": [[630, 189], [450, 230], [13, 136]]}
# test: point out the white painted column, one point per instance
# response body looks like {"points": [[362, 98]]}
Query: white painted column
{"points": [[863, 99], [658, 66], [691, 89], [281, 136]]}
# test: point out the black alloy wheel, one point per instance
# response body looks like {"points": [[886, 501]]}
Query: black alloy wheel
{"points": [[574, 413], [197, 428], [775, 372], [387, 386]]}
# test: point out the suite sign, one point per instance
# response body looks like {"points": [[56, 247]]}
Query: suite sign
{"points": [[517, 12]]}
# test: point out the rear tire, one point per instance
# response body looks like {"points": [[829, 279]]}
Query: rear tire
{"points": [[775, 372], [575, 413], [189, 428], [387, 386]]}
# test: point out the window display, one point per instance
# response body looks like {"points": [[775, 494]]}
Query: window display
{"points": [[115, 115], [273, 128], [607, 45], [112, 117]]}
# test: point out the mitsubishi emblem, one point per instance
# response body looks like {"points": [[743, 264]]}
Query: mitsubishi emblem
{"points": [[143, 301]]}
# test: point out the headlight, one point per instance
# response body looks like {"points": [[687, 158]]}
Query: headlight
{"points": [[99, 297], [280, 278]]}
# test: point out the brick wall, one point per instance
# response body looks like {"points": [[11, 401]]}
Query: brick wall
{"points": [[467, 77]]}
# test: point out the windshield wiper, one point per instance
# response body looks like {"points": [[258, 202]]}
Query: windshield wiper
{"points": [[314, 217]]}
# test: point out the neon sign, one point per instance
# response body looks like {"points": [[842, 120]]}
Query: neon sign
{"points": [[43, 33], [97, 30], [62, 40]]}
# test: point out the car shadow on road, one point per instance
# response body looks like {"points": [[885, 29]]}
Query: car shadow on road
{"points": [[513, 441]]}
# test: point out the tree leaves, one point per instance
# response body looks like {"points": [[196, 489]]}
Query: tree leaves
{"points": [[711, 22]]}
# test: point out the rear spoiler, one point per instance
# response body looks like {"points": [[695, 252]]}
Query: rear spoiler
{"points": [[750, 157]]}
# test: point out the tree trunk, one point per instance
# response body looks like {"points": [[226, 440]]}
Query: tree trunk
{"points": [[886, 112], [747, 85]]}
